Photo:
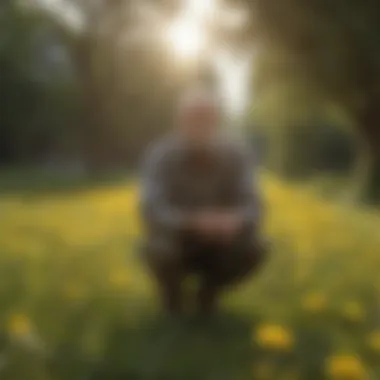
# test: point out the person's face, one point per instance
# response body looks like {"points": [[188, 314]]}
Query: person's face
{"points": [[200, 125]]}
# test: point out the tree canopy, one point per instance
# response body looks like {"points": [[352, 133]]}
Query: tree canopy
{"points": [[314, 57], [319, 52]]}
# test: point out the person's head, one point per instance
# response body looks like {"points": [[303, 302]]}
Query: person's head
{"points": [[199, 117]]}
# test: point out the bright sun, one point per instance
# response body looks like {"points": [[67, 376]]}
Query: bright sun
{"points": [[188, 34], [187, 38]]}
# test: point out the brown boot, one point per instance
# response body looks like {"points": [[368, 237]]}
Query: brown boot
{"points": [[172, 301], [208, 299]]}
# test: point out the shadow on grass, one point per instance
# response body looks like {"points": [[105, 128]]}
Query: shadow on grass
{"points": [[187, 349], [31, 183]]}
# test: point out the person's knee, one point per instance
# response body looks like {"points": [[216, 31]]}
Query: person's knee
{"points": [[258, 253], [245, 260], [160, 253], [162, 259]]}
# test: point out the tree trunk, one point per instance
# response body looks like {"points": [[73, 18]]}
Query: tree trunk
{"points": [[373, 184], [291, 153], [369, 128], [92, 129], [369, 187]]}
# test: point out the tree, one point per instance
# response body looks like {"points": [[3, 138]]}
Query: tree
{"points": [[27, 104], [125, 79], [331, 49]]}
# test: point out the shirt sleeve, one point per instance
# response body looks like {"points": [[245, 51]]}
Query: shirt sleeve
{"points": [[157, 210]]}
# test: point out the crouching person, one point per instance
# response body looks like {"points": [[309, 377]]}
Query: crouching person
{"points": [[200, 208]]}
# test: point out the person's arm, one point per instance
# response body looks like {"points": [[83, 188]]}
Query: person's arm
{"points": [[157, 210]]}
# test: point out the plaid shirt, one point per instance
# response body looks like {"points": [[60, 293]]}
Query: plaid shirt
{"points": [[175, 181]]}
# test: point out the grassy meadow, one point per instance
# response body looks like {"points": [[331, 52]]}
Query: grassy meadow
{"points": [[75, 302]]}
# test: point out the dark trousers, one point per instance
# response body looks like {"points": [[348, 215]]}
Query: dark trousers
{"points": [[172, 257]]}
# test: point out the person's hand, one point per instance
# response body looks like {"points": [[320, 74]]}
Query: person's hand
{"points": [[229, 225], [206, 223]]}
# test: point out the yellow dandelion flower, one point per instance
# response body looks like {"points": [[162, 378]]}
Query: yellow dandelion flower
{"points": [[374, 340], [346, 367], [314, 302], [354, 311], [19, 325], [274, 337]]}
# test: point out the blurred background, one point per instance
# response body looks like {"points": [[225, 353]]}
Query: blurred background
{"points": [[87, 85]]}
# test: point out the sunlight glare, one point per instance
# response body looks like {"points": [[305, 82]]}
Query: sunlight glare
{"points": [[201, 8], [188, 34], [187, 38]]}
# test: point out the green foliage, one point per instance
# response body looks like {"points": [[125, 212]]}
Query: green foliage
{"points": [[316, 53], [318, 64], [35, 113], [117, 98]]}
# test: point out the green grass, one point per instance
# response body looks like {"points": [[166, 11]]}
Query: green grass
{"points": [[75, 302]]}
